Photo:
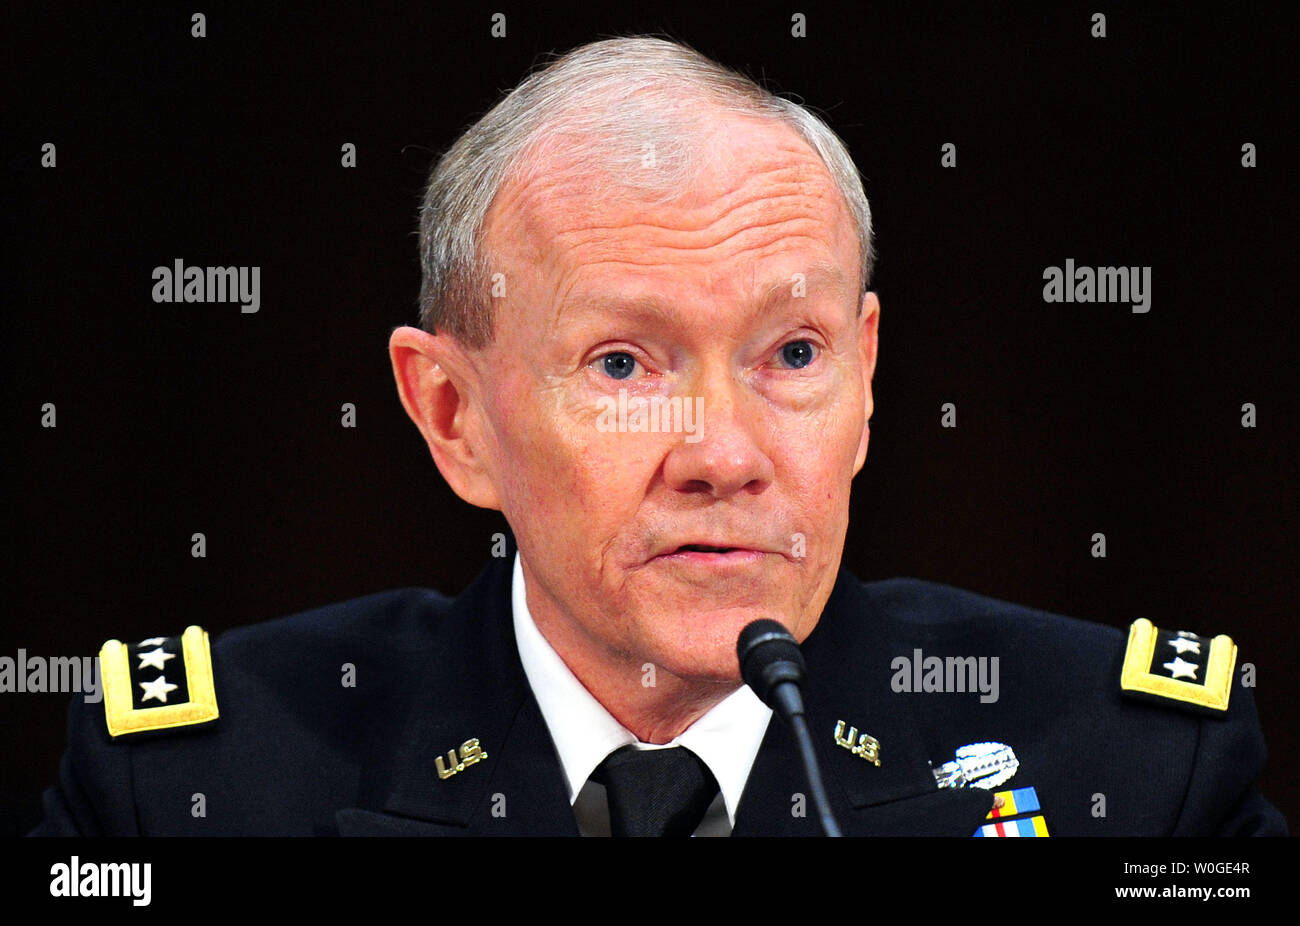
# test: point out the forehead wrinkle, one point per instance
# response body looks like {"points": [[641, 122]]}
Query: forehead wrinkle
{"points": [[795, 190], [644, 257], [807, 200], [765, 297], [767, 240], [593, 235], [786, 218], [531, 200]]}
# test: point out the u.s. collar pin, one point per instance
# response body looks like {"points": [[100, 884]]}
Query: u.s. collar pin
{"points": [[470, 753], [864, 745]]}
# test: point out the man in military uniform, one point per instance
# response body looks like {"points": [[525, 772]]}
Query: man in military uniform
{"points": [[648, 339]]}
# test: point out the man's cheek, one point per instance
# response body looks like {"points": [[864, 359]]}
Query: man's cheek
{"points": [[838, 434]]}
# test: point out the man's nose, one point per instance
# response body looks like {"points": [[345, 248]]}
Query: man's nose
{"points": [[723, 457]]}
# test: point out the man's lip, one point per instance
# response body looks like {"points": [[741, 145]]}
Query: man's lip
{"points": [[708, 546], [698, 550], [684, 561]]}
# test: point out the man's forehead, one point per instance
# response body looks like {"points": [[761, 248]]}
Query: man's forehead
{"points": [[750, 173], [600, 297]]}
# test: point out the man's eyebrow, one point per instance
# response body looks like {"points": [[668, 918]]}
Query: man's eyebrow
{"points": [[652, 307], [604, 303], [818, 277]]}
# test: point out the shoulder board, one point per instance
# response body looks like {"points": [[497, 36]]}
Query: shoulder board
{"points": [[1178, 666], [159, 683]]}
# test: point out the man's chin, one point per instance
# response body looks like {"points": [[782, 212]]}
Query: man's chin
{"points": [[705, 650], [710, 670]]}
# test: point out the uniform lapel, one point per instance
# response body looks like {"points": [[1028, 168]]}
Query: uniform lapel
{"points": [[848, 656], [472, 687]]}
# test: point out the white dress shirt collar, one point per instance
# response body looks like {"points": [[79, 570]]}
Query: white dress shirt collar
{"points": [[727, 738]]}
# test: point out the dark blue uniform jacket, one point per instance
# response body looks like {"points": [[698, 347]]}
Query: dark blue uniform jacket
{"points": [[295, 751]]}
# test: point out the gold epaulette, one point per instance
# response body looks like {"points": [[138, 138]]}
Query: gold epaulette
{"points": [[1176, 665], [159, 683]]}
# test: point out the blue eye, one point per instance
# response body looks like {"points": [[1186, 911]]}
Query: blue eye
{"points": [[797, 354], [618, 365]]}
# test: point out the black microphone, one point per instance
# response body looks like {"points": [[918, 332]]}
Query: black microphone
{"points": [[772, 665]]}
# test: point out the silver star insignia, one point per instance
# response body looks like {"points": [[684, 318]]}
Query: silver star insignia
{"points": [[157, 689], [1180, 668], [156, 658], [153, 641], [1183, 645]]}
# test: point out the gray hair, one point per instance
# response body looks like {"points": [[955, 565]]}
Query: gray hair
{"points": [[612, 105]]}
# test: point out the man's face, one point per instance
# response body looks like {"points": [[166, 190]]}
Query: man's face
{"points": [[740, 298]]}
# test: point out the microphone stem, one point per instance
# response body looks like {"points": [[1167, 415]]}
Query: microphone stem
{"points": [[787, 696]]}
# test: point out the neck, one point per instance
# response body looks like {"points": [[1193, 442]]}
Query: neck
{"points": [[652, 703], [655, 713]]}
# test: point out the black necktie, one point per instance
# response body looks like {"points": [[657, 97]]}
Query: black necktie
{"points": [[656, 792]]}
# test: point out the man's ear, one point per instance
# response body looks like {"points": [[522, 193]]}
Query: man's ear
{"points": [[868, 342], [435, 379]]}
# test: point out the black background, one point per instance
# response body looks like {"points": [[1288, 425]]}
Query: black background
{"points": [[1072, 419]]}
